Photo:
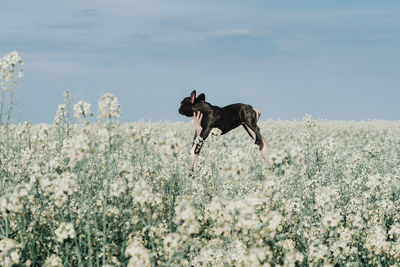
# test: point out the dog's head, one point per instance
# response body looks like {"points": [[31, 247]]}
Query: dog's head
{"points": [[190, 104]]}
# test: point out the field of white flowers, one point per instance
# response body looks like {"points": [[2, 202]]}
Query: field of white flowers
{"points": [[86, 192]]}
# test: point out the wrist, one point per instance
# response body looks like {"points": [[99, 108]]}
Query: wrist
{"points": [[198, 130]]}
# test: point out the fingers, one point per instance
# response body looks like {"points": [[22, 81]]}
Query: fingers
{"points": [[197, 116]]}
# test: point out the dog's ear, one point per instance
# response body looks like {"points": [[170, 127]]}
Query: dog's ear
{"points": [[193, 96], [201, 97]]}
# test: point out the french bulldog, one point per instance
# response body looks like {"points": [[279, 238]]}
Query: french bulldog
{"points": [[207, 117]]}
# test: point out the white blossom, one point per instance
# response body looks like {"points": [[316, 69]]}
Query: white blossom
{"points": [[65, 231], [82, 110], [53, 261], [9, 252], [109, 108], [137, 254]]}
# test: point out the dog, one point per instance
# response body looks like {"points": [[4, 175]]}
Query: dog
{"points": [[207, 117]]}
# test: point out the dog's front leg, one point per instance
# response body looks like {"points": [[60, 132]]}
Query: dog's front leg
{"points": [[198, 144], [193, 154]]}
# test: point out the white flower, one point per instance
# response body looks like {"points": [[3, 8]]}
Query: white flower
{"points": [[185, 217], [76, 148], [59, 188], [109, 107], [317, 252], [373, 182], [64, 186], [308, 121], [82, 110], [117, 187], [331, 219], [395, 231], [247, 218], [20, 73], [65, 231], [13, 201], [10, 60], [377, 240], [184, 211], [237, 253], [142, 193], [138, 254], [62, 112], [53, 261], [215, 132], [9, 252], [275, 221], [326, 197], [171, 243]]}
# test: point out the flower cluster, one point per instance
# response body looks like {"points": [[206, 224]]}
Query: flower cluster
{"points": [[7, 66], [64, 231], [9, 252], [109, 108], [82, 111]]}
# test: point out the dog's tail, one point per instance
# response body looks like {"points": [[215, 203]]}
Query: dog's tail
{"points": [[258, 113]]}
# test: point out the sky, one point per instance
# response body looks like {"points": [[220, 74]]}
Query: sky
{"points": [[336, 60]]}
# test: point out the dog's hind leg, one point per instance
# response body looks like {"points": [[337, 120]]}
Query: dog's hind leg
{"points": [[254, 131], [258, 113], [249, 131]]}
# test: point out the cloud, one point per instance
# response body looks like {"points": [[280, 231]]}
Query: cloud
{"points": [[202, 35], [232, 32]]}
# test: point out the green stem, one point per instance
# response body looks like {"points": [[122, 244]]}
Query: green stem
{"points": [[106, 191]]}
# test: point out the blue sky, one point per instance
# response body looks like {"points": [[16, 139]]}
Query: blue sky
{"points": [[332, 59]]}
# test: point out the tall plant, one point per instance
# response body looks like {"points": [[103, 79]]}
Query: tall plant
{"points": [[10, 64]]}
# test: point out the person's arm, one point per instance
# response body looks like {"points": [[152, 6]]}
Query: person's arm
{"points": [[197, 126]]}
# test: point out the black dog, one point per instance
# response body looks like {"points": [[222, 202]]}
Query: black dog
{"points": [[225, 119]]}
